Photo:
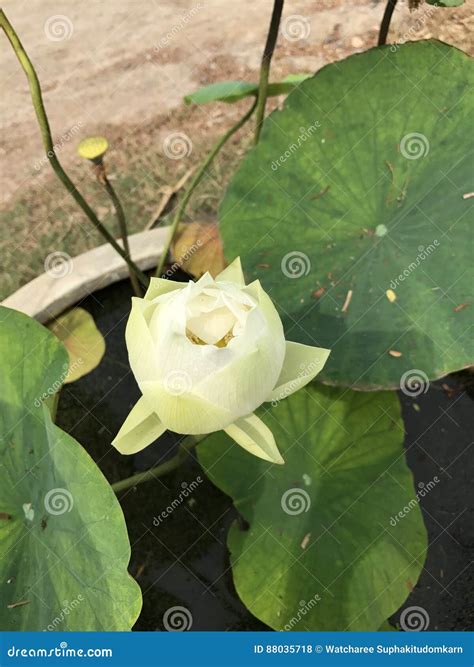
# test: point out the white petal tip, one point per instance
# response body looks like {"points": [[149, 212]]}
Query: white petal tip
{"points": [[253, 434], [232, 273]]}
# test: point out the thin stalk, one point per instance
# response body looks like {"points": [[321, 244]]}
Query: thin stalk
{"points": [[385, 24], [195, 182], [49, 147], [157, 471], [265, 65], [150, 474], [122, 221]]}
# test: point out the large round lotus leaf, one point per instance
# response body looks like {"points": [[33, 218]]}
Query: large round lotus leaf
{"points": [[325, 549], [64, 548], [354, 211], [33, 363]]}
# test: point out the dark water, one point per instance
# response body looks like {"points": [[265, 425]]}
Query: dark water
{"points": [[183, 560]]}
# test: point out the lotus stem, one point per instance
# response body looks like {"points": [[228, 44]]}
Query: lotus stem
{"points": [[147, 475], [265, 65], [385, 24], [122, 221], [195, 182], [37, 99], [158, 471]]}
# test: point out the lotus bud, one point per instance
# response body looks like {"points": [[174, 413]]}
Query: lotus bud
{"points": [[206, 355]]}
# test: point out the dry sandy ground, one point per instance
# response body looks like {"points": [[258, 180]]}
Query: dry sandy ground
{"points": [[126, 63]]}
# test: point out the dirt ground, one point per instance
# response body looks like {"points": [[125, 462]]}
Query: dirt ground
{"points": [[121, 67]]}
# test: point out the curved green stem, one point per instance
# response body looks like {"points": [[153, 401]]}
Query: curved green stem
{"points": [[122, 220], [49, 147], [265, 66], [158, 471], [150, 474], [195, 182], [385, 25]]}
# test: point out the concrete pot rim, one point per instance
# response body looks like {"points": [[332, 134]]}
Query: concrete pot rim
{"points": [[71, 279]]}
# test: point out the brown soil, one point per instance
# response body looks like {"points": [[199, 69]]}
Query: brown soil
{"points": [[119, 67]]}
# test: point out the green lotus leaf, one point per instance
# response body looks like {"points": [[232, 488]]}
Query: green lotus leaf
{"points": [[64, 547], [324, 549], [354, 212]]}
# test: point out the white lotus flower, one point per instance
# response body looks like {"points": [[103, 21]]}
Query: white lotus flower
{"points": [[205, 356]]}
